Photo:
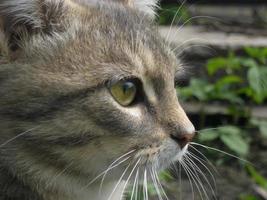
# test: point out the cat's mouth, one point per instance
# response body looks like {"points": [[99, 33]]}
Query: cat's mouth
{"points": [[161, 155]]}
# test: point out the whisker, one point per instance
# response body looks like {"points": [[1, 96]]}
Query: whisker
{"points": [[196, 176], [197, 17], [160, 185], [155, 184], [180, 180], [195, 167], [145, 184], [206, 159], [127, 180], [189, 178], [196, 45], [210, 129], [59, 174], [17, 136], [193, 181], [134, 185], [137, 187], [173, 19], [178, 173], [119, 181], [220, 151], [197, 159], [183, 44], [110, 168]]}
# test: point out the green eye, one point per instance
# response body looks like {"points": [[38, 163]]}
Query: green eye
{"points": [[124, 92]]}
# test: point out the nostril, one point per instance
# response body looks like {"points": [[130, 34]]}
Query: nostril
{"points": [[183, 139]]}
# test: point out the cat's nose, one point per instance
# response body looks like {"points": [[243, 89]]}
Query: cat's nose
{"points": [[184, 136]]}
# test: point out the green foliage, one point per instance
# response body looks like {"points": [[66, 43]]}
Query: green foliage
{"points": [[165, 176], [262, 125], [173, 13], [235, 81], [232, 85], [231, 136], [257, 177], [238, 82], [248, 197]]}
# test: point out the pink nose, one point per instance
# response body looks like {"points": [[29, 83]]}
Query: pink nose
{"points": [[183, 137]]}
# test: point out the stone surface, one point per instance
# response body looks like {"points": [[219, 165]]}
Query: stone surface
{"points": [[198, 41]]}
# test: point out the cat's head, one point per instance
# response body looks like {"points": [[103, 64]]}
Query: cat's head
{"points": [[89, 82]]}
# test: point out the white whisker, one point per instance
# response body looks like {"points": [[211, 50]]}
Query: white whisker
{"points": [[220, 151], [127, 180], [206, 159], [160, 185], [155, 184], [197, 177], [119, 181], [197, 169], [17, 136], [173, 19], [194, 179], [110, 168], [135, 183], [189, 178], [197, 159]]}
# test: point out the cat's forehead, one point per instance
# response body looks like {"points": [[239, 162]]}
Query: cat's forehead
{"points": [[106, 44], [128, 40]]}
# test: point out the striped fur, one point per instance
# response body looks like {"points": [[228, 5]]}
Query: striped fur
{"points": [[59, 125]]}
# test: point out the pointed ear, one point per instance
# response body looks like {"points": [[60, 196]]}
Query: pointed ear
{"points": [[21, 19], [146, 6]]}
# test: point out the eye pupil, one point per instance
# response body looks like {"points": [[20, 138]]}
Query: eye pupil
{"points": [[124, 92]]}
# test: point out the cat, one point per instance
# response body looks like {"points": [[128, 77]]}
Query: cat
{"points": [[87, 99]]}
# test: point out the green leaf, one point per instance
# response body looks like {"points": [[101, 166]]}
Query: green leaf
{"points": [[229, 130], [208, 135], [252, 52], [248, 197], [254, 79], [257, 177], [249, 62], [257, 78], [232, 138], [258, 53], [263, 129], [230, 79], [200, 89], [215, 64], [236, 143], [231, 97], [262, 125]]}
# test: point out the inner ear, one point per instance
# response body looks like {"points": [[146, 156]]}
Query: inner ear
{"points": [[21, 19]]}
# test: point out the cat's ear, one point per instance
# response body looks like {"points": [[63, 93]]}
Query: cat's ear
{"points": [[21, 19], [147, 6]]}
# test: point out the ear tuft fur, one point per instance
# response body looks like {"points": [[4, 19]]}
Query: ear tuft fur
{"points": [[25, 17], [146, 6]]}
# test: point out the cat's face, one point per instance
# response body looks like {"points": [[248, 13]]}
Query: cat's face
{"points": [[97, 87]]}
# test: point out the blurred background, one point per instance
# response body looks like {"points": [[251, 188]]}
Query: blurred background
{"points": [[223, 44]]}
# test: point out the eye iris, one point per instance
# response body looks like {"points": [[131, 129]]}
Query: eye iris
{"points": [[124, 92]]}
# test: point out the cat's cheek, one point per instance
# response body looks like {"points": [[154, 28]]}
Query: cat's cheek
{"points": [[133, 111]]}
